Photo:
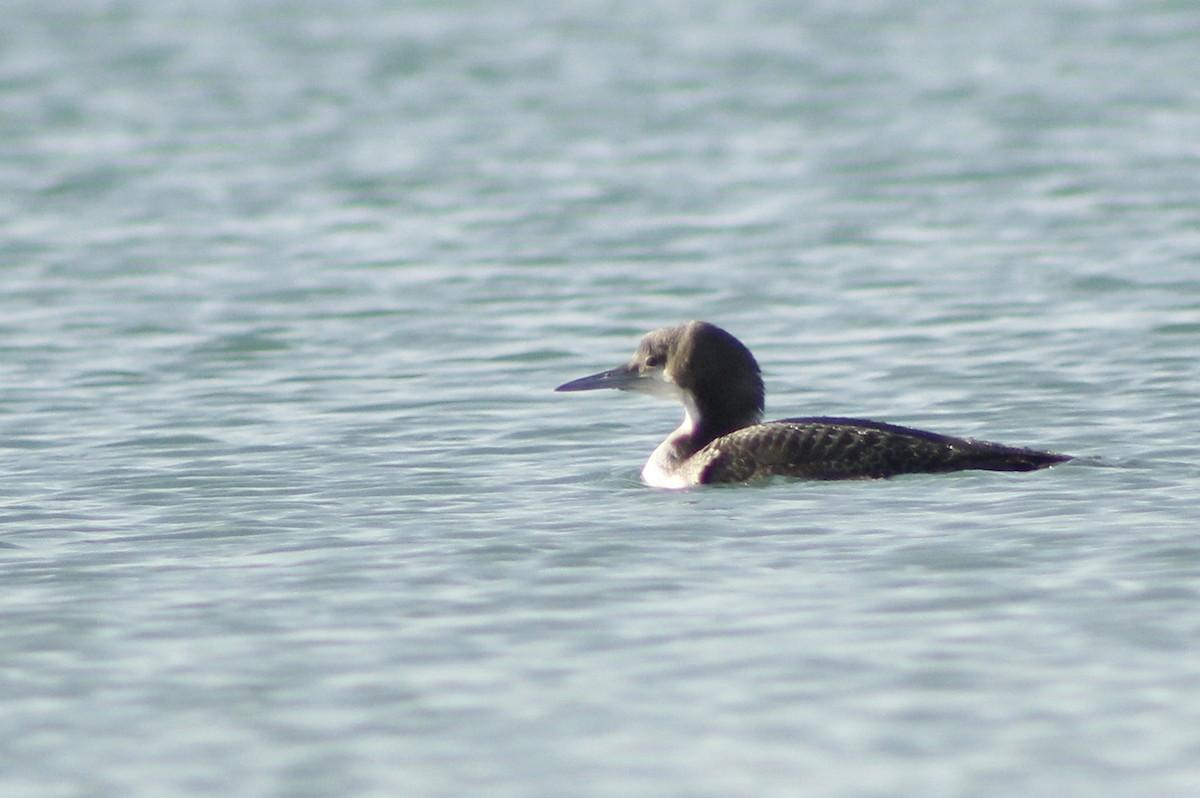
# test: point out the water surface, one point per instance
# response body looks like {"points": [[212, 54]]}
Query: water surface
{"points": [[291, 509]]}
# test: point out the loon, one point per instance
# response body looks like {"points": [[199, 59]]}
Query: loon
{"points": [[723, 439]]}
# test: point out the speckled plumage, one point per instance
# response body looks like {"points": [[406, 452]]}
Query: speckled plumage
{"points": [[845, 448], [722, 439]]}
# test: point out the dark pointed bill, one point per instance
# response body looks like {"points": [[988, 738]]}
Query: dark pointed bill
{"points": [[620, 378]]}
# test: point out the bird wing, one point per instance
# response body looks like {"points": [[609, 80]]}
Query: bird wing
{"points": [[843, 448]]}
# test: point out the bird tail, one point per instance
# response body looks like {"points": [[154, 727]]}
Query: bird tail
{"points": [[997, 457]]}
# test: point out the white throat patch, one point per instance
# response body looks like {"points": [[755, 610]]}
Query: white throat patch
{"points": [[664, 469]]}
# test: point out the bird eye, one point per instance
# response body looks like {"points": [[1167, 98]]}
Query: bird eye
{"points": [[654, 361]]}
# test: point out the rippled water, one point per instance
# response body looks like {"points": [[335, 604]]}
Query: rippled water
{"points": [[290, 507]]}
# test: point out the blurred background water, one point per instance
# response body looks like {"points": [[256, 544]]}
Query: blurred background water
{"points": [[289, 507]]}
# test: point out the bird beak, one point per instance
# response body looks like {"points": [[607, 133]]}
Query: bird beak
{"points": [[623, 378]]}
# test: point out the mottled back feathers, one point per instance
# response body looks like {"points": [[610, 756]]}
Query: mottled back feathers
{"points": [[845, 448]]}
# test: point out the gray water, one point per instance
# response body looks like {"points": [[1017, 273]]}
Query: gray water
{"points": [[289, 507]]}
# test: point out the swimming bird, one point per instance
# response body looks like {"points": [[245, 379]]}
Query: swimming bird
{"points": [[723, 439]]}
